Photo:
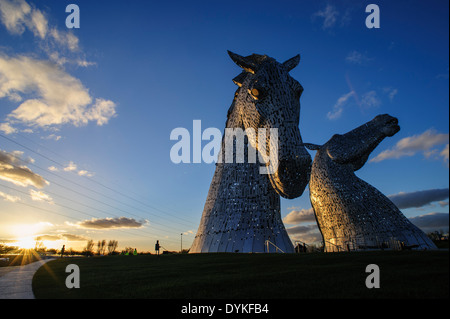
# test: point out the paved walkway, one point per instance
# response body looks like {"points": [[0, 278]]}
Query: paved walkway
{"points": [[15, 281]]}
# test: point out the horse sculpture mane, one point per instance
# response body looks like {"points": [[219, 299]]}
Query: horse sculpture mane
{"points": [[242, 210]]}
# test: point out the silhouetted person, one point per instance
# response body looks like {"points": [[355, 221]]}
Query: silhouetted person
{"points": [[157, 247], [62, 250]]}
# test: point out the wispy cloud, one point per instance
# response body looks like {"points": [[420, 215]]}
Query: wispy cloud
{"points": [[370, 100], [338, 108], [391, 92], [85, 173], [329, 15], [419, 198], [72, 167], [51, 137], [423, 143], [356, 57], [18, 16], [366, 101], [111, 223]]}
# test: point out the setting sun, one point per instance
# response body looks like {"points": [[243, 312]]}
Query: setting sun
{"points": [[25, 234], [26, 243]]}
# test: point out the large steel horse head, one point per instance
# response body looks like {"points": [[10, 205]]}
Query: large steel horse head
{"points": [[242, 210]]}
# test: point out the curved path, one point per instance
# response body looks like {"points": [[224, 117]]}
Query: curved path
{"points": [[15, 281]]}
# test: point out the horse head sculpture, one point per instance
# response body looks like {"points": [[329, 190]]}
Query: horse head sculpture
{"points": [[268, 97], [352, 214], [242, 209]]}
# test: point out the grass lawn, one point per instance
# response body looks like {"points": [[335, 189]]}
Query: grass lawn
{"points": [[403, 274]]}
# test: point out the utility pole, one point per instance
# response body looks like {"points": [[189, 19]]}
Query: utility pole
{"points": [[181, 251]]}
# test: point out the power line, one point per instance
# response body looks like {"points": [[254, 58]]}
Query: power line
{"points": [[84, 195], [63, 206], [90, 178], [89, 189], [87, 196], [84, 213]]}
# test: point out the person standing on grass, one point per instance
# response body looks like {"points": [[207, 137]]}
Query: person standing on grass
{"points": [[157, 247]]}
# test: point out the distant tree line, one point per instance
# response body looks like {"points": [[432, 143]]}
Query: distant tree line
{"points": [[101, 248]]}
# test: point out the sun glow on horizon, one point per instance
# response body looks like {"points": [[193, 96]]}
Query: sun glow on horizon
{"points": [[25, 234], [25, 243]]}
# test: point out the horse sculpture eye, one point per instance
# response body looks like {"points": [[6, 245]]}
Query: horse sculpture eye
{"points": [[256, 92]]}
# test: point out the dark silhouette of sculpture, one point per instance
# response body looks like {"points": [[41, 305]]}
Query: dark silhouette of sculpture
{"points": [[242, 209], [352, 214]]}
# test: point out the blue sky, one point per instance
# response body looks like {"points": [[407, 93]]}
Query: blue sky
{"points": [[87, 113]]}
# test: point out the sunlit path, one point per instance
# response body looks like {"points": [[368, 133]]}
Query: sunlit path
{"points": [[16, 284]]}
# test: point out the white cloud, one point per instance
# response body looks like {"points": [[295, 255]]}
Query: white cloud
{"points": [[409, 146], [338, 108], [85, 173], [101, 111], [40, 196], [7, 128], [46, 94], [58, 98], [18, 15], [9, 198], [14, 15], [70, 167], [53, 169]]}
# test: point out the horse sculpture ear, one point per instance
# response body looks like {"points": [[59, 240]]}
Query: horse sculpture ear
{"points": [[292, 62], [243, 62], [240, 79]]}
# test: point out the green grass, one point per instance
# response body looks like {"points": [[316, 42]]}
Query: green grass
{"points": [[407, 274]]}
